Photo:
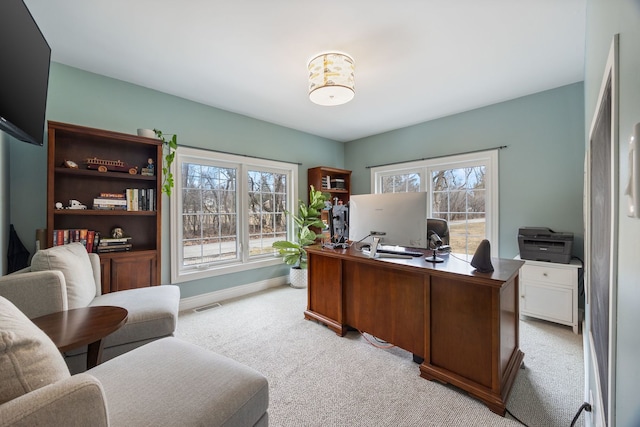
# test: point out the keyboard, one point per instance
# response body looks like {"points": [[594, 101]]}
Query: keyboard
{"points": [[395, 250], [383, 255]]}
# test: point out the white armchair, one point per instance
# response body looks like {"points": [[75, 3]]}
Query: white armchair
{"points": [[66, 277]]}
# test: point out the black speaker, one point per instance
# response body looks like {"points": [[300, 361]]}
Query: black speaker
{"points": [[482, 258]]}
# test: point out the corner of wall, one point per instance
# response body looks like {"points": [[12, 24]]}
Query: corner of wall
{"points": [[4, 200]]}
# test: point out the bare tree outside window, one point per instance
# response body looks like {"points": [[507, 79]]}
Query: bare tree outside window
{"points": [[209, 214], [462, 190], [458, 196], [405, 183], [227, 211], [267, 205]]}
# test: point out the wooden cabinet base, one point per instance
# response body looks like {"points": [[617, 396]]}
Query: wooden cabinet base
{"points": [[128, 270], [329, 323], [495, 400]]}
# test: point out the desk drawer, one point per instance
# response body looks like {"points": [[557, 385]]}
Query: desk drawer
{"points": [[544, 274]]}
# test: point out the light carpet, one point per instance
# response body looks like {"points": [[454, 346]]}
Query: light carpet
{"points": [[317, 378]]}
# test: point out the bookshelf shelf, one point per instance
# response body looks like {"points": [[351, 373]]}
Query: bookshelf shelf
{"points": [[102, 175], [98, 212]]}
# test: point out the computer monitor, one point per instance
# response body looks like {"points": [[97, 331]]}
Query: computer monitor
{"points": [[397, 218]]}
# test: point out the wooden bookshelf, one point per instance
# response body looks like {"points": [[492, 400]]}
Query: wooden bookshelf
{"points": [[336, 182], [139, 267]]}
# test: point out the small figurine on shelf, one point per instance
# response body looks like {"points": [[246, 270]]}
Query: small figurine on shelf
{"points": [[74, 204], [150, 169], [117, 233]]}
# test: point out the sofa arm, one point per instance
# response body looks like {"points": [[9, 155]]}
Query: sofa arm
{"points": [[75, 401], [35, 293]]}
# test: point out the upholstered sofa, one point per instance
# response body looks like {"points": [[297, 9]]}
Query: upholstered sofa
{"points": [[165, 383], [66, 277]]}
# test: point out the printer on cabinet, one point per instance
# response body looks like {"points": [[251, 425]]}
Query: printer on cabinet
{"points": [[544, 244]]}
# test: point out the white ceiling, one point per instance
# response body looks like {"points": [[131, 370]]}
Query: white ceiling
{"points": [[416, 60]]}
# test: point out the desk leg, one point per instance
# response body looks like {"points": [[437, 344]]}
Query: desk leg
{"points": [[94, 354]]}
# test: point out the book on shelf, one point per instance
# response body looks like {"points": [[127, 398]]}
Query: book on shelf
{"points": [[114, 241], [90, 240], [326, 182], [112, 202], [112, 196], [140, 199], [109, 204], [117, 248], [101, 207]]}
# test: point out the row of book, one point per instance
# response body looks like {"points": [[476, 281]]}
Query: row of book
{"points": [[133, 199], [91, 240], [336, 183], [84, 236]]}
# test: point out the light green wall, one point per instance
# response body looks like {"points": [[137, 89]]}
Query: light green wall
{"points": [[604, 19], [541, 170], [88, 99]]}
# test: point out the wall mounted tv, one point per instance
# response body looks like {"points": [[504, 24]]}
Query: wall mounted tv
{"points": [[24, 75]]}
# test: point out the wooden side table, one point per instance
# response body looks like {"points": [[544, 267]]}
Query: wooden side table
{"points": [[83, 326]]}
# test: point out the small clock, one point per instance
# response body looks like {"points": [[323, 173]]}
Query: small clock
{"points": [[70, 164]]}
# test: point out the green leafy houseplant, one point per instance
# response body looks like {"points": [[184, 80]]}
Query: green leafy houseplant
{"points": [[293, 252], [169, 145]]}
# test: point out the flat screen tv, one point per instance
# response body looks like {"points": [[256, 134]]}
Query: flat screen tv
{"points": [[397, 218], [24, 73]]}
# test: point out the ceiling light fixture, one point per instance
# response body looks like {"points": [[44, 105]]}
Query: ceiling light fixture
{"points": [[331, 79]]}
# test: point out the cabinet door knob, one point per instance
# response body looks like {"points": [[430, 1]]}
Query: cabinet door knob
{"points": [[545, 274]]}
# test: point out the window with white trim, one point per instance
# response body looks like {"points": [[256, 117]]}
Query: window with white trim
{"points": [[463, 189], [226, 211]]}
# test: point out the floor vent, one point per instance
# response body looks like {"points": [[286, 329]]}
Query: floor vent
{"points": [[206, 307]]}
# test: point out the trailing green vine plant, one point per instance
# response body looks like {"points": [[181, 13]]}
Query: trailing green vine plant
{"points": [[169, 146]]}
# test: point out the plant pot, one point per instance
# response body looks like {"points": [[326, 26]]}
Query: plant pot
{"points": [[298, 277]]}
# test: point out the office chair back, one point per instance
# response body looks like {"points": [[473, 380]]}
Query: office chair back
{"points": [[440, 227]]}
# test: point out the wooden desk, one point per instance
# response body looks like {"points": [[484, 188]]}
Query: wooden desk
{"points": [[463, 324], [82, 326]]}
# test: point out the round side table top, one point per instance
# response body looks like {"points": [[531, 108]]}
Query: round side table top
{"points": [[81, 326]]}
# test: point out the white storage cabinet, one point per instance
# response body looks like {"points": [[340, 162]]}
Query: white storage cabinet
{"points": [[549, 291]]}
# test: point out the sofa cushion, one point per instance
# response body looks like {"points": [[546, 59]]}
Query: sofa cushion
{"points": [[188, 385], [28, 358], [153, 313], [73, 261]]}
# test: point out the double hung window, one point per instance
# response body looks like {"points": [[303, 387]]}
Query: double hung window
{"points": [[463, 190], [226, 212]]}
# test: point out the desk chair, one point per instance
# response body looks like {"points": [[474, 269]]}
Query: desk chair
{"points": [[440, 227]]}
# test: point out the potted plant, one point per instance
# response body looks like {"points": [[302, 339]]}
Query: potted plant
{"points": [[170, 145], [293, 252]]}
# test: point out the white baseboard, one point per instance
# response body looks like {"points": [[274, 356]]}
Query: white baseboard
{"points": [[190, 303]]}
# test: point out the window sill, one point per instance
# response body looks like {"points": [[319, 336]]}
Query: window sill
{"points": [[220, 270]]}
